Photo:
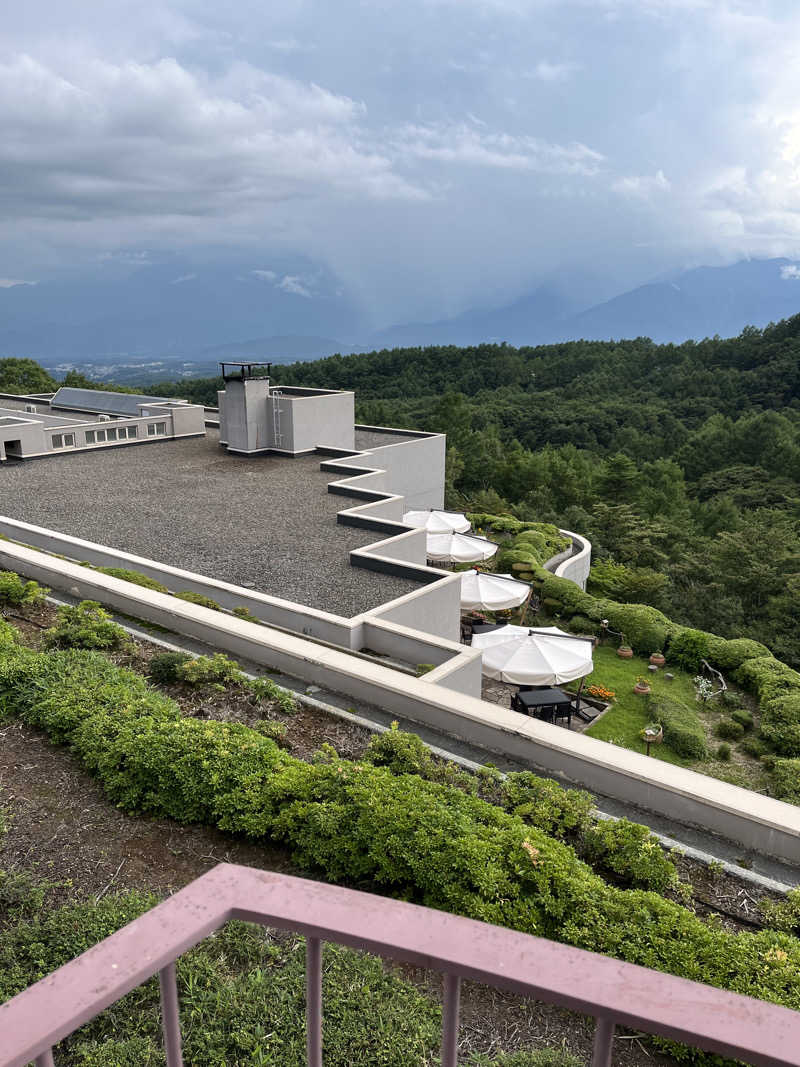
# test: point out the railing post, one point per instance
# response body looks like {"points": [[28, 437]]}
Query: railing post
{"points": [[170, 1018], [603, 1041], [314, 1002], [450, 1008]]}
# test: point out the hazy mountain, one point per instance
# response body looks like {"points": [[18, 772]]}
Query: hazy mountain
{"points": [[693, 304], [170, 309]]}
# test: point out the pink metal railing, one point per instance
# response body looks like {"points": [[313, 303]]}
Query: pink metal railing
{"points": [[614, 993]]}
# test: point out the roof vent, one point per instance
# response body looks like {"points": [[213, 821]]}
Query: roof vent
{"points": [[31, 409], [104, 418]]}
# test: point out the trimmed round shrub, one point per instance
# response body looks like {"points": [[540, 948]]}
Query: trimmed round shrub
{"points": [[724, 752], [754, 747], [730, 655], [400, 752], [645, 628], [688, 647], [550, 606], [786, 780], [683, 731], [767, 677], [729, 730], [579, 624], [743, 717], [729, 699], [163, 669], [780, 724]]}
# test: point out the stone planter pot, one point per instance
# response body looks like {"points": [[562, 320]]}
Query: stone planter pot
{"points": [[625, 652], [657, 659], [642, 690]]}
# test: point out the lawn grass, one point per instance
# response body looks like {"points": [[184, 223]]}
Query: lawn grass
{"points": [[629, 713]]}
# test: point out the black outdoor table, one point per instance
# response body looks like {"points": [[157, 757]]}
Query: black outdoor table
{"points": [[487, 627], [532, 701]]}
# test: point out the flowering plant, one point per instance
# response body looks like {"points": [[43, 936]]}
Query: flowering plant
{"points": [[600, 692], [704, 688]]}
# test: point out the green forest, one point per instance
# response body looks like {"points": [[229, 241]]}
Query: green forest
{"points": [[681, 463]]}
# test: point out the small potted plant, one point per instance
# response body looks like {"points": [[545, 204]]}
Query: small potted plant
{"points": [[642, 686], [658, 659], [624, 651], [653, 734]]}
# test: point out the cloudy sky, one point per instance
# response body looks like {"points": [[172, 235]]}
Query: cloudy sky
{"points": [[432, 153]]}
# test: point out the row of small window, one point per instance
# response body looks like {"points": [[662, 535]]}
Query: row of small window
{"points": [[113, 433], [116, 433]]}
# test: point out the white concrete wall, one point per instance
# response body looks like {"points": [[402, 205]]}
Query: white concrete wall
{"points": [[750, 819], [415, 469], [576, 568], [325, 421]]}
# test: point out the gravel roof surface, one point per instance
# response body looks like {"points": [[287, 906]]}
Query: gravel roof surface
{"points": [[376, 439], [265, 521]]}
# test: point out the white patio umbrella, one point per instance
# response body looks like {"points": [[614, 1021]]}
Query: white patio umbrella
{"points": [[481, 591], [523, 656], [439, 522], [459, 548]]}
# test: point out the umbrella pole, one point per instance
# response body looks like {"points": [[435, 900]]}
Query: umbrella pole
{"points": [[525, 606], [578, 697]]}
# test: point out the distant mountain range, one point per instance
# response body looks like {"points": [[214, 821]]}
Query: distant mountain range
{"points": [[166, 320], [692, 304]]}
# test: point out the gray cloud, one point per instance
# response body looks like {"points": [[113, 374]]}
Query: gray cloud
{"points": [[433, 153]]}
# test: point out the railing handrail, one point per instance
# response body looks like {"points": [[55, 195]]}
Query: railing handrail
{"points": [[613, 991]]}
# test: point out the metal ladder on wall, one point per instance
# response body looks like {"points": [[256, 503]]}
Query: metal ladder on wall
{"points": [[277, 434]]}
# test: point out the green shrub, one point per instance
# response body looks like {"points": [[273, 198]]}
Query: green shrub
{"points": [[767, 677], [729, 699], [730, 655], [15, 590], [729, 730], [358, 823], [645, 628], [631, 852], [423, 668], [85, 625], [551, 606], [561, 813], [242, 612], [9, 635], [786, 780], [163, 668], [743, 717], [199, 599], [274, 730], [579, 624], [265, 689], [683, 731], [780, 723], [400, 752], [724, 752], [783, 914], [216, 670], [133, 576], [752, 746], [688, 647]]}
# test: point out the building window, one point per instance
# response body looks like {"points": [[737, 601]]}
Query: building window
{"points": [[90, 438], [69, 440], [151, 429], [133, 431], [58, 440], [161, 428], [112, 435], [101, 435], [63, 440]]}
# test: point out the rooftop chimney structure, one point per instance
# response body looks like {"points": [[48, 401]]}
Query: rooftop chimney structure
{"points": [[256, 417]]}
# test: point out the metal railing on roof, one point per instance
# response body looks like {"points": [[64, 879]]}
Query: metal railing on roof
{"points": [[615, 993]]}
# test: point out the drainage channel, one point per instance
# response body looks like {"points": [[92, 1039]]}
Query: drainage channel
{"points": [[697, 844]]}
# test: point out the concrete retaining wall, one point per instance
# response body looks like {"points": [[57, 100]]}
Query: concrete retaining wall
{"points": [[753, 821], [576, 567]]}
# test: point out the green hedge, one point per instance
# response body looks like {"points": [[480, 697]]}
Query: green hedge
{"points": [[358, 823], [786, 779], [780, 723], [767, 677], [683, 731]]}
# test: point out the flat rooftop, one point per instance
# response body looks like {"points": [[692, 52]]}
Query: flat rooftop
{"points": [[264, 522]]}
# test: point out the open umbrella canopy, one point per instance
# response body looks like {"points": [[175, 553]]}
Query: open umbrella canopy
{"points": [[459, 548], [523, 656], [481, 591], [437, 521]]}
